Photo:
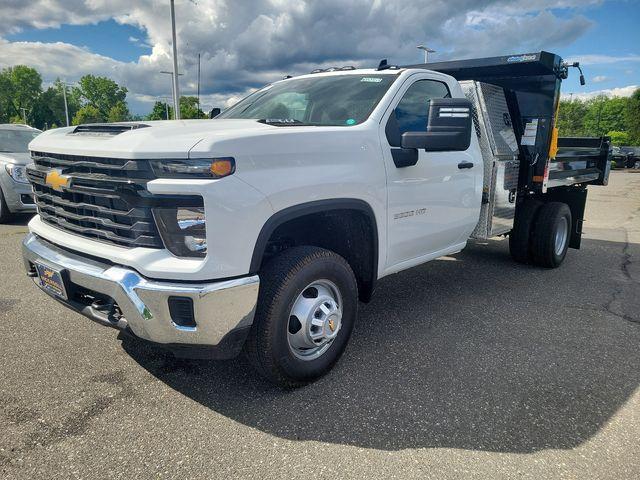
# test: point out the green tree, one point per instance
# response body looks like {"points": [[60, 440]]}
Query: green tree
{"points": [[632, 117], [7, 109], [619, 138], [48, 110], [118, 113], [88, 114], [571, 117], [27, 85], [20, 87], [604, 115], [159, 111], [189, 108], [101, 93]]}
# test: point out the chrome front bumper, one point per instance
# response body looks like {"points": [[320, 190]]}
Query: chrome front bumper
{"points": [[223, 310]]}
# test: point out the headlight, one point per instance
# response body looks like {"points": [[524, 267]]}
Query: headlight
{"points": [[17, 172], [198, 168], [183, 230]]}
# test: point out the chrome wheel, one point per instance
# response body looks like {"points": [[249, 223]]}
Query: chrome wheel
{"points": [[562, 234], [315, 320]]}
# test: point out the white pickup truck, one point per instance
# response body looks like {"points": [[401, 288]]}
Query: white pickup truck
{"points": [[261, 229]]}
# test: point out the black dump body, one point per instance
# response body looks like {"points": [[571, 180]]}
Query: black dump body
{"points": [[532, 87]]}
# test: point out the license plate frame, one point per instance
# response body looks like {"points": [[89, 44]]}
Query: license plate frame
{"points": [[51, 280]]}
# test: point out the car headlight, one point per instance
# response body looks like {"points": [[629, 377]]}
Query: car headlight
{"points": [[198, 167], [17, 172], [183, 230]]}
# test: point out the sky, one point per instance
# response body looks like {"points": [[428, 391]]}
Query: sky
{"points": [[245, 44]]}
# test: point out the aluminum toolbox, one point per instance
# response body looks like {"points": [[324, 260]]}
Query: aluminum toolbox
{"points": [[499, 149]]}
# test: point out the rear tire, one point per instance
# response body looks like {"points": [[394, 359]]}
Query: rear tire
{"points": [[520, 236], [5, 214], [307, 307], [551, 234]]}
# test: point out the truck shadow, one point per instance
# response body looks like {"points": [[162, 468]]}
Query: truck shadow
{"points": [[19, 219], [471, 352]]}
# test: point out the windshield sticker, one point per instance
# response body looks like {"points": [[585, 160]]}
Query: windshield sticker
{"points": [[351, 121], [371, 79]]}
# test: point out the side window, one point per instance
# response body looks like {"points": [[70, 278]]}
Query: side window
{"points": [[411, 113]]}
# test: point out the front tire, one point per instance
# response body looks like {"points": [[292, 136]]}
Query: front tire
{"points": [[307, 308], [551, 234]]}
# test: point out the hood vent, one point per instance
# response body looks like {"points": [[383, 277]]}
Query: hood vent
{"points": [[106, 129]]}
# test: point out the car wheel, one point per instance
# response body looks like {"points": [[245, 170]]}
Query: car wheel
{"points": [[5, 214], [551, 234], [307, 307]]}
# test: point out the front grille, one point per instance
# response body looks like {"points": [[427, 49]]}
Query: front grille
{"points": [[106, 199]]}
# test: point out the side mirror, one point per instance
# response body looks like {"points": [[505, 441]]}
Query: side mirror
{"points": [[214, 112], [448, 128]]}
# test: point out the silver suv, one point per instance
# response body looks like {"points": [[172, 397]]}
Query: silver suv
{"points": [[15, 192]]}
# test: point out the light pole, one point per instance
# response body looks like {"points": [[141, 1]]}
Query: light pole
{"points": [[24, 115], [427, 51], [64, 96], [176, 117], [165, 100], [176, 87], [66, 107]]}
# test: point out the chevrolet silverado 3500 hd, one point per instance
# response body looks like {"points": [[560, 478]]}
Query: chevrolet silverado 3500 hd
{"points": [[261, 229]]}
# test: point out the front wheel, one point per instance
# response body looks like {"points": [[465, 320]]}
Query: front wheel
{"points": [[306, 310]]}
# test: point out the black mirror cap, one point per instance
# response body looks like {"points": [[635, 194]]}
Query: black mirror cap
{"points": [[448, 128], [214, 112]]}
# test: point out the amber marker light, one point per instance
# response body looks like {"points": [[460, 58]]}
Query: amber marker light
{"points": [[222, 167]]}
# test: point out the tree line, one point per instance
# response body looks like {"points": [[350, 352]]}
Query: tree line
{"points": [[97, 99], [93, 99], [616, 117]]}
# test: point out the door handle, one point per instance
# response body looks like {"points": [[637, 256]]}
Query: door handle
{"points": [[462, 165]]}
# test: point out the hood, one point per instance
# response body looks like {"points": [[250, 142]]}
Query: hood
{"points": [[155, 139], [18, 158]]}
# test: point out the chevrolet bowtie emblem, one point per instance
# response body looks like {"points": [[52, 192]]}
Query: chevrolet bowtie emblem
{"points": [[56, 180]]}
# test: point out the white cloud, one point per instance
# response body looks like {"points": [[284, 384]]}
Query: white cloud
{"points": [[599, 79], [603, 59], [609, 92], [247, 43]]}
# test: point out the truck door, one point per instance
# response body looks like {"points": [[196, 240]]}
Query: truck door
{"points": [[433, 205]]}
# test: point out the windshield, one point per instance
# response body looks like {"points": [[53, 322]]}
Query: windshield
{"points": [[322, 100], [16, 141]]}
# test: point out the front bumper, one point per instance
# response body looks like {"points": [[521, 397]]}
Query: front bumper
{"points": [[119, 297], [19, 196]]}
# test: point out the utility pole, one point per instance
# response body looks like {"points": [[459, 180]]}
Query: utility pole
{"points": [[176, 87], [24, 115], [427, 51], [198, 84]]}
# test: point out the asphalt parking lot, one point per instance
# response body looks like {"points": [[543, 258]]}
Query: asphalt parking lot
{"points": [[468, 367]]}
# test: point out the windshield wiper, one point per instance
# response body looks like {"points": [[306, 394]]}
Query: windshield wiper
{"points": [[282, 122]]}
